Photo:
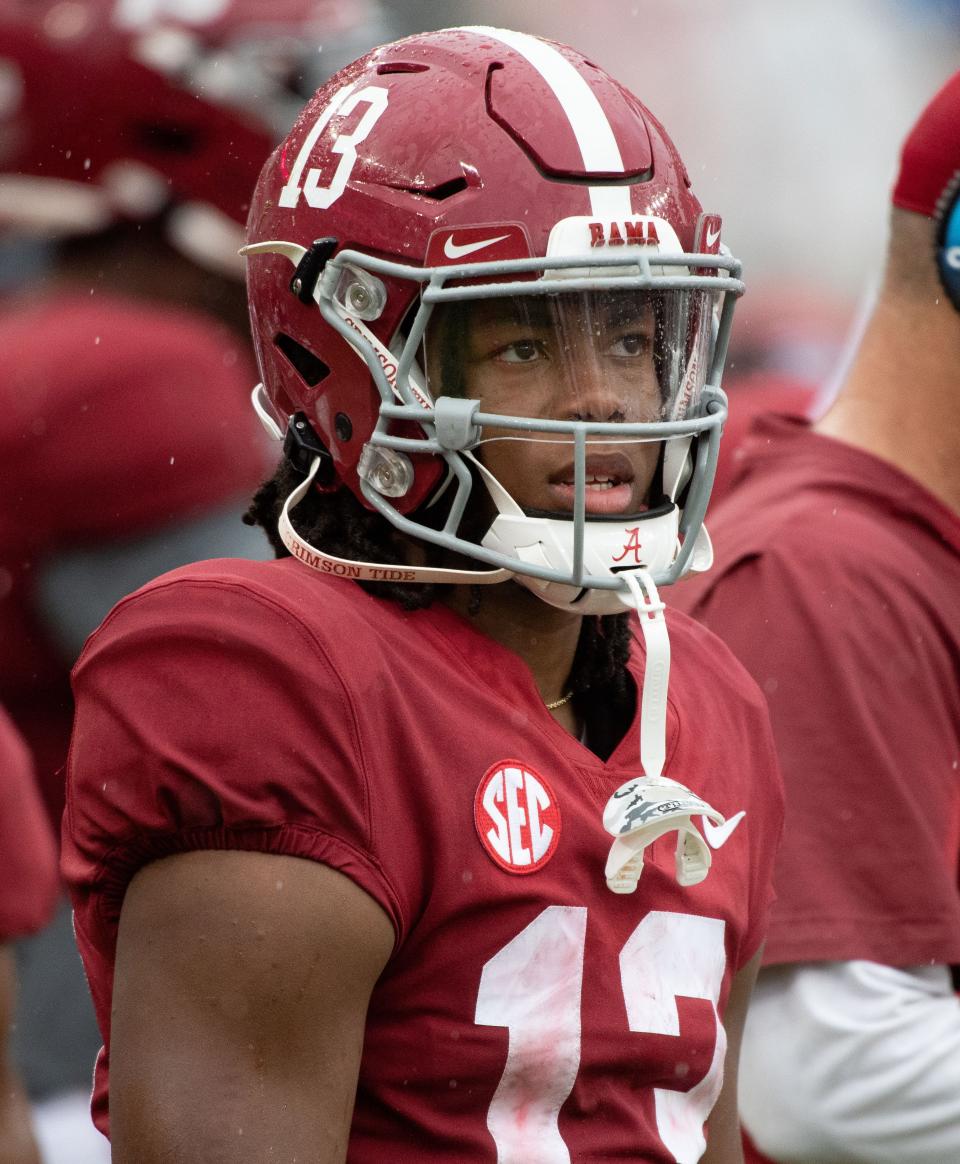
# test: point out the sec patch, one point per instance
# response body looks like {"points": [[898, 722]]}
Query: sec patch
{"points": [[517, 817]]}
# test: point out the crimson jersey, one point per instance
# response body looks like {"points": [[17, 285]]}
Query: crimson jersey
{"points": [[78, 469], [526, 1010], [28, 856], [836, 584]]}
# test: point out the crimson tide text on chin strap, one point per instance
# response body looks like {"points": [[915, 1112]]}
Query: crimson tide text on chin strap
{"points": [[358, 571]]}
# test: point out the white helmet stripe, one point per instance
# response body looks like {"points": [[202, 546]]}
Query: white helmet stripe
{"points": [[591, 128]]}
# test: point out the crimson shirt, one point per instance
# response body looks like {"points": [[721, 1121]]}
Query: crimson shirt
{"points": [[117, 418], [28, 856], [838, 586], [261, 706]]}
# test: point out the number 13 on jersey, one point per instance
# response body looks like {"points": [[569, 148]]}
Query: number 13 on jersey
{"points": [[533, 985]]}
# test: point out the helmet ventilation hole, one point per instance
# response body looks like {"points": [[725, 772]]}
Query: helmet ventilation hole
{"points": [[390, 67], [436, 193], [310, 368]]}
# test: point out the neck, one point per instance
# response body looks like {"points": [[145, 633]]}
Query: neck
{"points": [[898, 400], [544, 637]]}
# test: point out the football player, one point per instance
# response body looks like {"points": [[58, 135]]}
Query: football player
{"points": [[437, 838], [843, 539]]}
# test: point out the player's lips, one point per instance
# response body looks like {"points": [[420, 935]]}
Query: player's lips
{"points": [[608, 485]]}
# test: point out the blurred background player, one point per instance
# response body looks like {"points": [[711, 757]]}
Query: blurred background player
{"points": [[28, 893], [131, 135], [837, 584]]}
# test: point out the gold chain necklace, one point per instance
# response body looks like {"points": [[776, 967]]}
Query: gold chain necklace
{"points": [[559, 702]]}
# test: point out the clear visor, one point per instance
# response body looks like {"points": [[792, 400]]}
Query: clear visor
{"points": [[617, 356], [614, 357]]}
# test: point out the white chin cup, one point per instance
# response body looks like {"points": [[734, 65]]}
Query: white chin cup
{"points": [[648, 543]]}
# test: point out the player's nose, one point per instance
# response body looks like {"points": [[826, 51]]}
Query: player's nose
{"points": [[590, 395]]}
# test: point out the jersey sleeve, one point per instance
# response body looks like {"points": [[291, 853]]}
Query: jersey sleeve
{"points": [[208, 717], [854, 673], [28, 855]]}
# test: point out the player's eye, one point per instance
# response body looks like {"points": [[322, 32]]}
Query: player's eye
{"points": [[630, 345], [523, 351]]}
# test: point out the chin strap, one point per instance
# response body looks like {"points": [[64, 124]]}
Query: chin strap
{"points": [[367, 571], [644, 809]]}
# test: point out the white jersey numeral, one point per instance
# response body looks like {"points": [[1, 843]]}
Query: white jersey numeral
{"points": [[667, 955], [532, 987], [343, 104]]}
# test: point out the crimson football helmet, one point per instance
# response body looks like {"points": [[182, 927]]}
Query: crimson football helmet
{"points": [[475, 243], [113, 109]]}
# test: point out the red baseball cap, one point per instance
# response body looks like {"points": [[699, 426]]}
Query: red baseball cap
{"points": [[930, 160]]}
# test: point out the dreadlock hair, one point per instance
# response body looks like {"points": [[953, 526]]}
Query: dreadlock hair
{"points": [[604, 693]]}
